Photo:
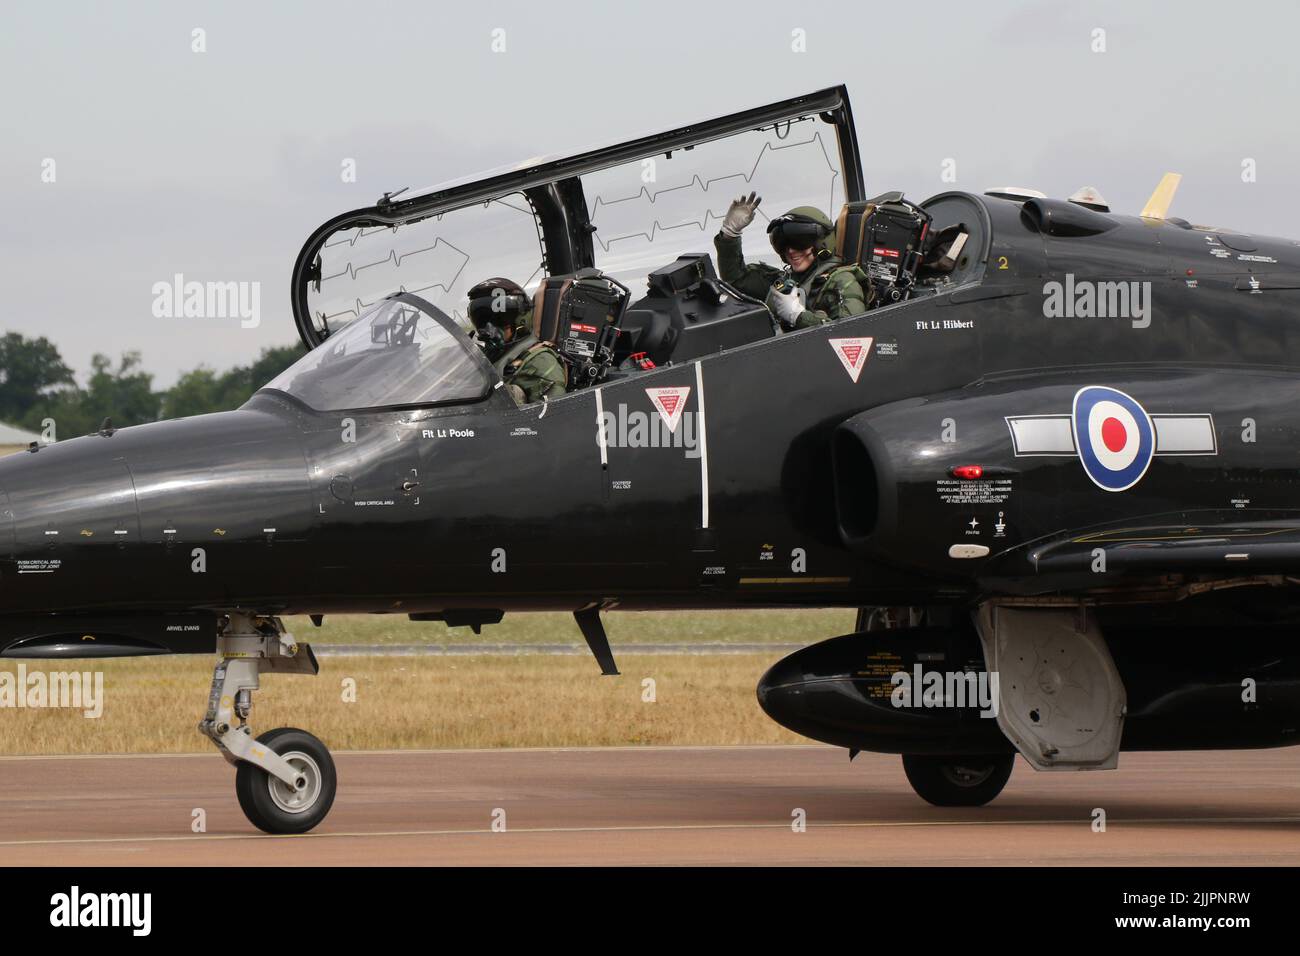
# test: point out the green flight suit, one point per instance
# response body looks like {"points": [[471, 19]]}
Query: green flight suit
{"points": [[832, 290], [531, 370]]}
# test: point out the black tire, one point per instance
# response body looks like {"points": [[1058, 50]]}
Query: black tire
{"points": [[958, 781], [269, 803]]}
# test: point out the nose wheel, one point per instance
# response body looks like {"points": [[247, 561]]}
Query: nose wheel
{"points": [[275, 806], [285, 779]]}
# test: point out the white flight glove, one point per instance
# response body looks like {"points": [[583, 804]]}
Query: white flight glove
{"points": [[740, 214], [786, 306]]}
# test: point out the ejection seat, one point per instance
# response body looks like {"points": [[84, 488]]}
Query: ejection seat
{"points": [[890, 239]]}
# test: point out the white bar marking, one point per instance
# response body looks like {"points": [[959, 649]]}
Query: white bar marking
{"points": [[704, 447], [1184, 435], [600, 428], [1042, 435]]}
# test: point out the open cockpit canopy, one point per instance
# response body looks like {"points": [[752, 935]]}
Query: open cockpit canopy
{"points": [[625, 209]]}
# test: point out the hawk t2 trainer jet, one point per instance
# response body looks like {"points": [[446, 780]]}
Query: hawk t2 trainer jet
{"points": [[1054, 462]]}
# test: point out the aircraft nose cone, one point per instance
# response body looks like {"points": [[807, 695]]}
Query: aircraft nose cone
{"points": [[69, 490], [103, 521], [65, 498]]}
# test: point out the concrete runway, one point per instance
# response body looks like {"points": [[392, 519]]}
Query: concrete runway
{"points": [[663, 805]]}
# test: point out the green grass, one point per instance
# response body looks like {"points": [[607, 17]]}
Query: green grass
{"points": [[634, 627]]}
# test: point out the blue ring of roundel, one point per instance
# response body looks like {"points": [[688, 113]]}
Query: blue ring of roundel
{"points": [[1107, 478]]}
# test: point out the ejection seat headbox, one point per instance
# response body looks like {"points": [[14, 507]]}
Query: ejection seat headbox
{"points": [[684, 274], [580, 315], [885, 236]]}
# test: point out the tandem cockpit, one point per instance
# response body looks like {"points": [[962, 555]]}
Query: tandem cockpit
{"points": [[614, 262]]}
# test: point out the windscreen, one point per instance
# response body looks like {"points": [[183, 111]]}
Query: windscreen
{"points": [[649, 212], [394, 354]]}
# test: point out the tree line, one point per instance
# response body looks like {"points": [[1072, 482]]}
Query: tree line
{"points": [[36, 385]]}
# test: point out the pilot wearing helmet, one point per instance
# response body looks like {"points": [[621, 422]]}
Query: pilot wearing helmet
{"points": [[818, 287], [501, 312]]}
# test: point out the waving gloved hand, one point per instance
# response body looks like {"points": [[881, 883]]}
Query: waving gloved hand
{"points": [[740, 214], [786, 306]]}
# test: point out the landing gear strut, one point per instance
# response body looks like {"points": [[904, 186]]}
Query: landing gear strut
{"points": [[285, 779]]}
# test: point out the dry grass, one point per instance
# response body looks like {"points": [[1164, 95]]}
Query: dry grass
{"points": [[152, 705], [658, 627], [10, 449]]}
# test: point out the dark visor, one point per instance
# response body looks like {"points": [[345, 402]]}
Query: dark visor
{"points": [[791, 232], [480, 311]]}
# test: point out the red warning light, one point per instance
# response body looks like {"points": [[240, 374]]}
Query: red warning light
{"points": [[968, 472]]}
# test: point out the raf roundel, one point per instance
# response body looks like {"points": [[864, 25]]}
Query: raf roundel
{"points": [[1114, 437]]}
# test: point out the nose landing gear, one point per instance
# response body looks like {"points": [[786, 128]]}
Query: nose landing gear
{"points": [[285, 779]]}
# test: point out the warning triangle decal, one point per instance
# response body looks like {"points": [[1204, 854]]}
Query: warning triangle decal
{"points": [[853, 354], [670, 403]]}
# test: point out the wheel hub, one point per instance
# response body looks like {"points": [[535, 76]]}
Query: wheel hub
{"points": [[964, 775], [307, 785]]}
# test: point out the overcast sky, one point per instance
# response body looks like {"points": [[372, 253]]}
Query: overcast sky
{"points": [[218, 164]]}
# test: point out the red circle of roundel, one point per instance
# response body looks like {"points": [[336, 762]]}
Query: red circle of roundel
{"points": [[1114, 434]]}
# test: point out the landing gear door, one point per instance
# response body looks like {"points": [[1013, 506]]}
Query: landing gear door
{"points": [[1061, 700]]}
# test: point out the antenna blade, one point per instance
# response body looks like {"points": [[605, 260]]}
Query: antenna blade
{"points": [[1157, 206]]}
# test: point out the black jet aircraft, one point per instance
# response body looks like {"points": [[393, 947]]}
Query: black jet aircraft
{"points": [[1054, 465]]}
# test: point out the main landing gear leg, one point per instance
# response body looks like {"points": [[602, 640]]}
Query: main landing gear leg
{"points": [[284, 779]]}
